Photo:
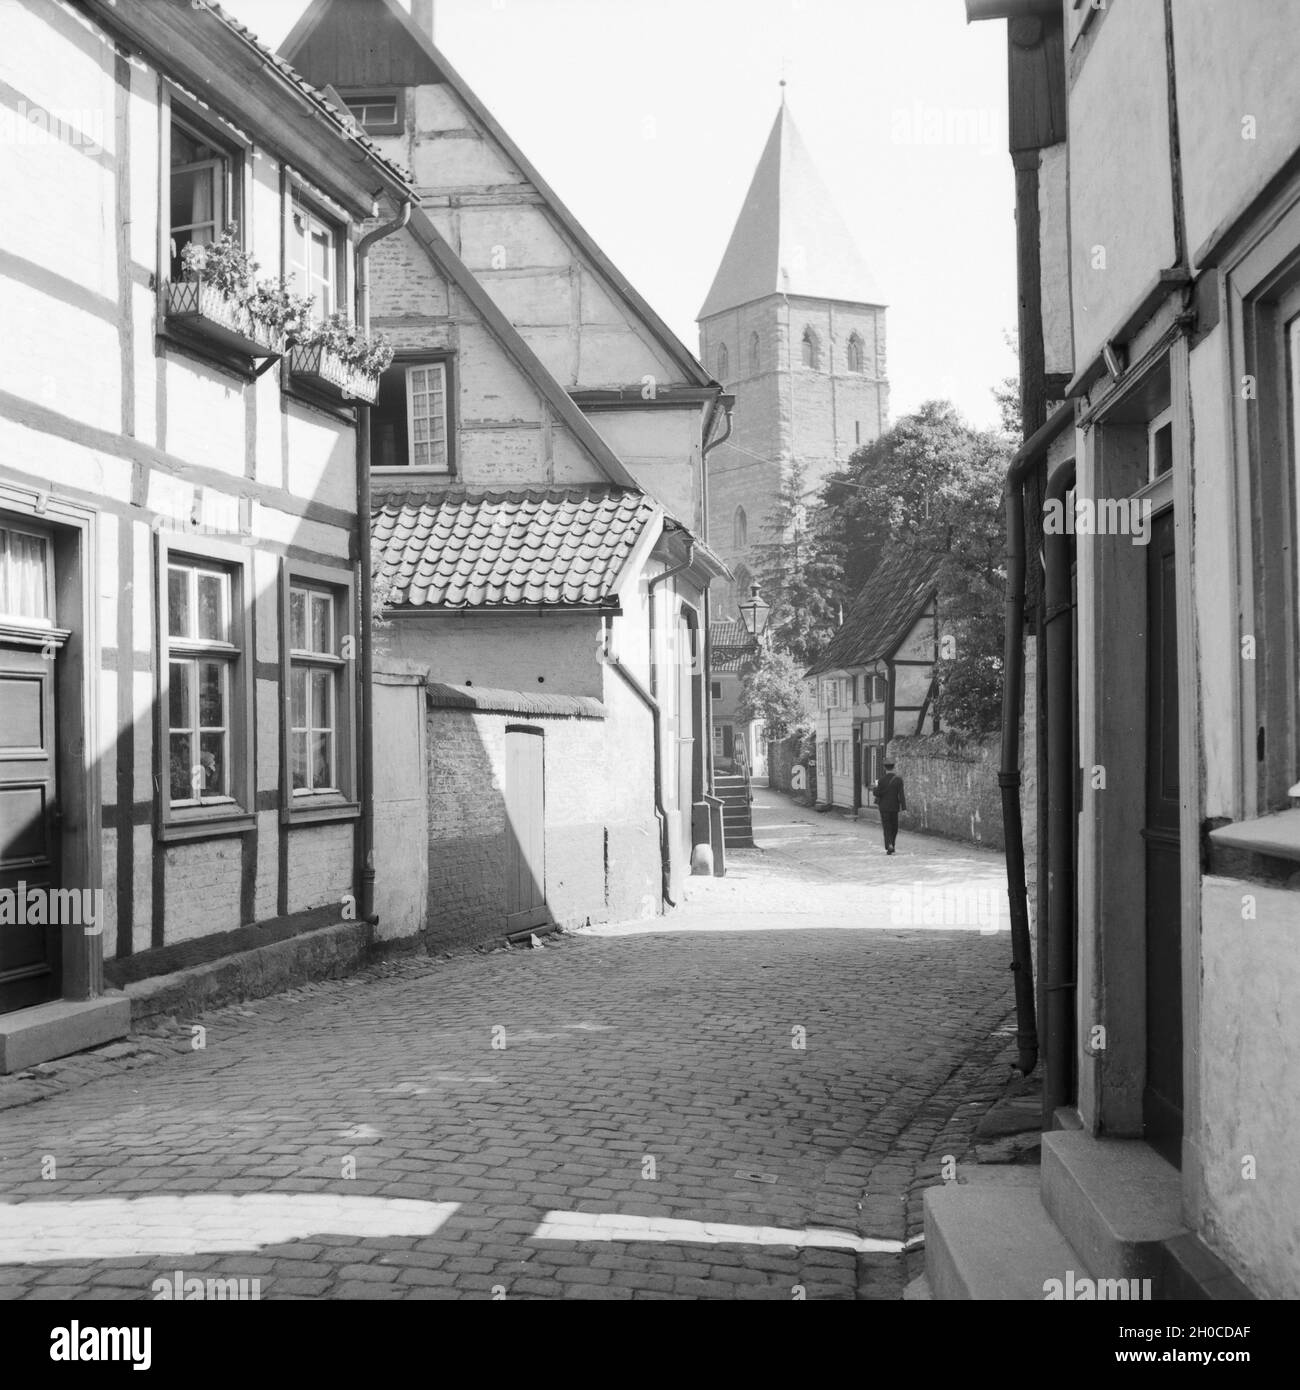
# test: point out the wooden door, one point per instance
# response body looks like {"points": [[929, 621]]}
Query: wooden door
{"points": [[525, 830], [30, 954], [857, 767], [1162, 1100]]}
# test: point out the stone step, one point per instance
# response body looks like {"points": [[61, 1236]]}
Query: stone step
{"points": [[991, 1239], [1115, 1200]]}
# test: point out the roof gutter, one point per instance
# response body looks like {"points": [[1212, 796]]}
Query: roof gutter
{"points": [[1024, 461]]}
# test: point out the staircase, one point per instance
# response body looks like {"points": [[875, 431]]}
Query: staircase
{"points": [[1101, 1219], [732, 789]]}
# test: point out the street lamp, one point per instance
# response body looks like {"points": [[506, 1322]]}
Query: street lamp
{"points": [[754, 613]]}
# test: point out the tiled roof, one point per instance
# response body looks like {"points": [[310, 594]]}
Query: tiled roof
{"points": [[882, 613], [730, 646], [343, 119], [558, 547]]}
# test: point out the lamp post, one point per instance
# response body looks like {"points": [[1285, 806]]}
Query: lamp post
{"points": [[754, 613]]}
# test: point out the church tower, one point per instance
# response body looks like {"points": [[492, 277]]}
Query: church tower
{"points": [[794, 327]]}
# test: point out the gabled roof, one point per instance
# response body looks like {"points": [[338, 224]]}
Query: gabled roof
{"points": [[884, 612], [561, 547], [440, 69], [789, 237], [450, 264]]}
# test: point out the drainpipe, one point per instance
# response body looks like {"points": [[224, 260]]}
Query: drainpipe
{"points": [[364, 703], [1023, 462], [1057, 951], [665, 849], [652, 705], [727, 403]]}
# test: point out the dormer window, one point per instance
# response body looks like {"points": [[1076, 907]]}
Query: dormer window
{"points": [[377, 112]]}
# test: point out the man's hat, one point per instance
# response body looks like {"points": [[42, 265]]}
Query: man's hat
{"points": [[889, 765]]}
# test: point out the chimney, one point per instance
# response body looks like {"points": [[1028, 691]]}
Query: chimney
{"points": [[422, 14]]}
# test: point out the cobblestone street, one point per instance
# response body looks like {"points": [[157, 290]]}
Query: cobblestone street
{"points": [[740, 1101]]}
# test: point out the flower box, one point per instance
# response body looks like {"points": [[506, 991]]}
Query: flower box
{"points": [[201, 307], [327, 371]]}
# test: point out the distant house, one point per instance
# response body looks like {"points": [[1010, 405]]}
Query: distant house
{"points": [[731, 648], [876, 678], [536, 461]]}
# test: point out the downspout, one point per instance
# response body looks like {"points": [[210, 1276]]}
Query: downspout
{"points": [[364, 702], [1023, 462], [1058, 951], [727, 403], [652, 705], [665, 848]]}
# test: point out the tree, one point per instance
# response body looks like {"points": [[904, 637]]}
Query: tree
{"points": [[799, 573], [771, 690], [934, 484]]}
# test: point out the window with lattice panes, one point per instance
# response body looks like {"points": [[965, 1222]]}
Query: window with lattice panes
{"points": [[409, 422], [315, 679], [202, 660]]}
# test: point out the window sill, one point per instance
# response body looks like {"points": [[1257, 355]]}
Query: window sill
{"points": [[408, 472], [207, 827], [310, 811], [1277, 835]]}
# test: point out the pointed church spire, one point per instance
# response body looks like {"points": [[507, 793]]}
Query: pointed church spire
{"points": [[789, 238]]}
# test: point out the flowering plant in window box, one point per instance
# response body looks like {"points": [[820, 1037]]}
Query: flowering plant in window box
{"points": [[222, 298], [337, 355]]}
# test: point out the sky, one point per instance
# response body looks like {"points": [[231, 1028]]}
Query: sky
{"points": [[647, 117]]}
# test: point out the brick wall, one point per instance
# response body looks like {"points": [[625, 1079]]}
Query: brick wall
{"points": [[952, 789], [602, 857]]}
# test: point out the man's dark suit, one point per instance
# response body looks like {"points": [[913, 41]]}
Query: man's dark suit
{"points": [[891, 800]]}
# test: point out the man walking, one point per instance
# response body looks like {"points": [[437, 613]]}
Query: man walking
{"points": [[890, 798]]}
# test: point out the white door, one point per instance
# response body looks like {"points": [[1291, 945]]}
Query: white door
{"points": [[401, 811]]}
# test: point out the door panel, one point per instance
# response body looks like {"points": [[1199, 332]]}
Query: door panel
{"points": [[29, 838], [1162, 1101], [525, 831]]}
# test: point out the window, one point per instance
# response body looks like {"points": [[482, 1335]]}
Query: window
{"points": [[853, 690], [739, 530], [830, 694], [315, 677], [812, 351], [376, 112], [716, 689], [408, 423], [724, 362], [855, 353], [203, 191], [755, 354], [26, 576], [312, 252], [1160, 445], [201, 661]]}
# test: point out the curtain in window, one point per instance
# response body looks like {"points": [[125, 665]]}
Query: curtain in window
{"points": [[24, 591]]}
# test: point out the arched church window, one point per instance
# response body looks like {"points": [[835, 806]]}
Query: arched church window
{"points": [[740, 530], [855, 353], [812, 349], [724, 362], [755, 356]]}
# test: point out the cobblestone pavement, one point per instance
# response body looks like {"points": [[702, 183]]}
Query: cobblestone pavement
{"points": [[751, 1093]]}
